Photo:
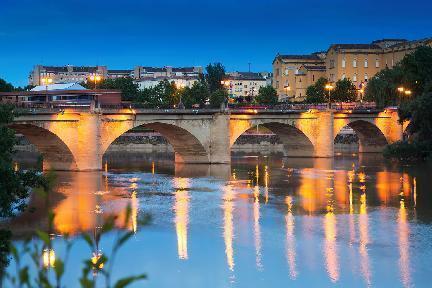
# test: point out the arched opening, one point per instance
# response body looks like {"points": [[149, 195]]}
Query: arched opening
{"points": [[55, 153], [161, 138], [360, 136], [274, 137]]}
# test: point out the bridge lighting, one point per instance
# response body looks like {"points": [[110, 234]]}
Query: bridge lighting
{"points": [[401, 89], [408, 92]]}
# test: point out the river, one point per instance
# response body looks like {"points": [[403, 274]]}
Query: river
{"points": [[351, 221]]}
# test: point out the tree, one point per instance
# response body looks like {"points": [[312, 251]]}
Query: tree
{"points": [[197, 94], [345, 91], [316, 93], [267, 95], [414, 72], [215, 74], [218, 97], [382, 88], [5, 86], [14, 185], [126, 84]]}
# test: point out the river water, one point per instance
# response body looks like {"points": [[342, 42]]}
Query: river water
{"points": [[351, 221]]}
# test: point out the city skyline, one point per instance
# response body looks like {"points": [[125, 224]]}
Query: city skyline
{"points": [[195, 34]]}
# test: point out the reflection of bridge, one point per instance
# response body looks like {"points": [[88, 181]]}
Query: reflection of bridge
{"points": [[76, 140]]}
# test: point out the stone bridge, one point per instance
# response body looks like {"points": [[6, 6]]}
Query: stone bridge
{"points": [[77, 140]]}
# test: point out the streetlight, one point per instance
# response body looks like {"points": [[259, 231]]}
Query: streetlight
{"points": [[95, 78], [46, 81], [329, 87], [227, 85], [181, 105]]}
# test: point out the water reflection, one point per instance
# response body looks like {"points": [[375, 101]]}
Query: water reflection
{"points": [[320, 215], [228, 227], [181, 208], [290, 239]]}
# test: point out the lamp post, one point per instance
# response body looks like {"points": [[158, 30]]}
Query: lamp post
{"points": [[95, 78], [329, 87], [46, 81], [180, 104], [227, 85]]}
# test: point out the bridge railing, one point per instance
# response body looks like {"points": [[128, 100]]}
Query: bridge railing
{"points": [[354, 106]]}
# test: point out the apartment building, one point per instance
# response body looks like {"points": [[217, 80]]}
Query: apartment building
{"points": [[245, 85], [64, 74]]}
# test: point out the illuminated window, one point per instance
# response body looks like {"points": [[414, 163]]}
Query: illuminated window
{"points": [[286, 71], [343, 63], [355, 63], [366, 77], [355, 77], [366, 63], [377, 64], [343, 76]]}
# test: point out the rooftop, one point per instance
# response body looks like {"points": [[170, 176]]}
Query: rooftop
{"points": [[58, 86]]}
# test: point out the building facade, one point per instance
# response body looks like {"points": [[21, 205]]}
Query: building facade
{"points": [[243, 86], [289, 81], [357, 62]]}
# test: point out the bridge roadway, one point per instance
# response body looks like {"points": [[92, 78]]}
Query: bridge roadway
{"points": [[73, 139]]}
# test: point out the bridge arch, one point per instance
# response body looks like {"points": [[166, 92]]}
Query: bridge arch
{"points": [[296, 143], [186, 145], [371, 138], [56, 154]]}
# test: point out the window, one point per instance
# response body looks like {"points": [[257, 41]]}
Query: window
{"points": [[286, 71], [366, 63], [355, 77], [355, 63], [332, 64], [366, 77], [343, 76], [343, 63], [300, 80], [377, 64], [313, 77]]}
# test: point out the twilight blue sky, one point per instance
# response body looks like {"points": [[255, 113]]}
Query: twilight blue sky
{"points": [[125, 33]]}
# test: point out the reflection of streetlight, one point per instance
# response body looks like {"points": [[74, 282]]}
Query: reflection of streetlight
{"points": [[46, 81], [329, 87]]}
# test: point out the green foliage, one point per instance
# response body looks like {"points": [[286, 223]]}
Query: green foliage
{"points": [[126, 84], [414, 72], [345, 91], [14, 185], [316, 93], [382, 88], [198, 94], [420, 116], [5, 86], [408, 151], [267, 95], [218, 97], [215, 74], [163, 95], [51, 274]]}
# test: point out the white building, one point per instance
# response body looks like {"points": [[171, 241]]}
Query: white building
{"points": [[179, 81], [245, 84]]}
